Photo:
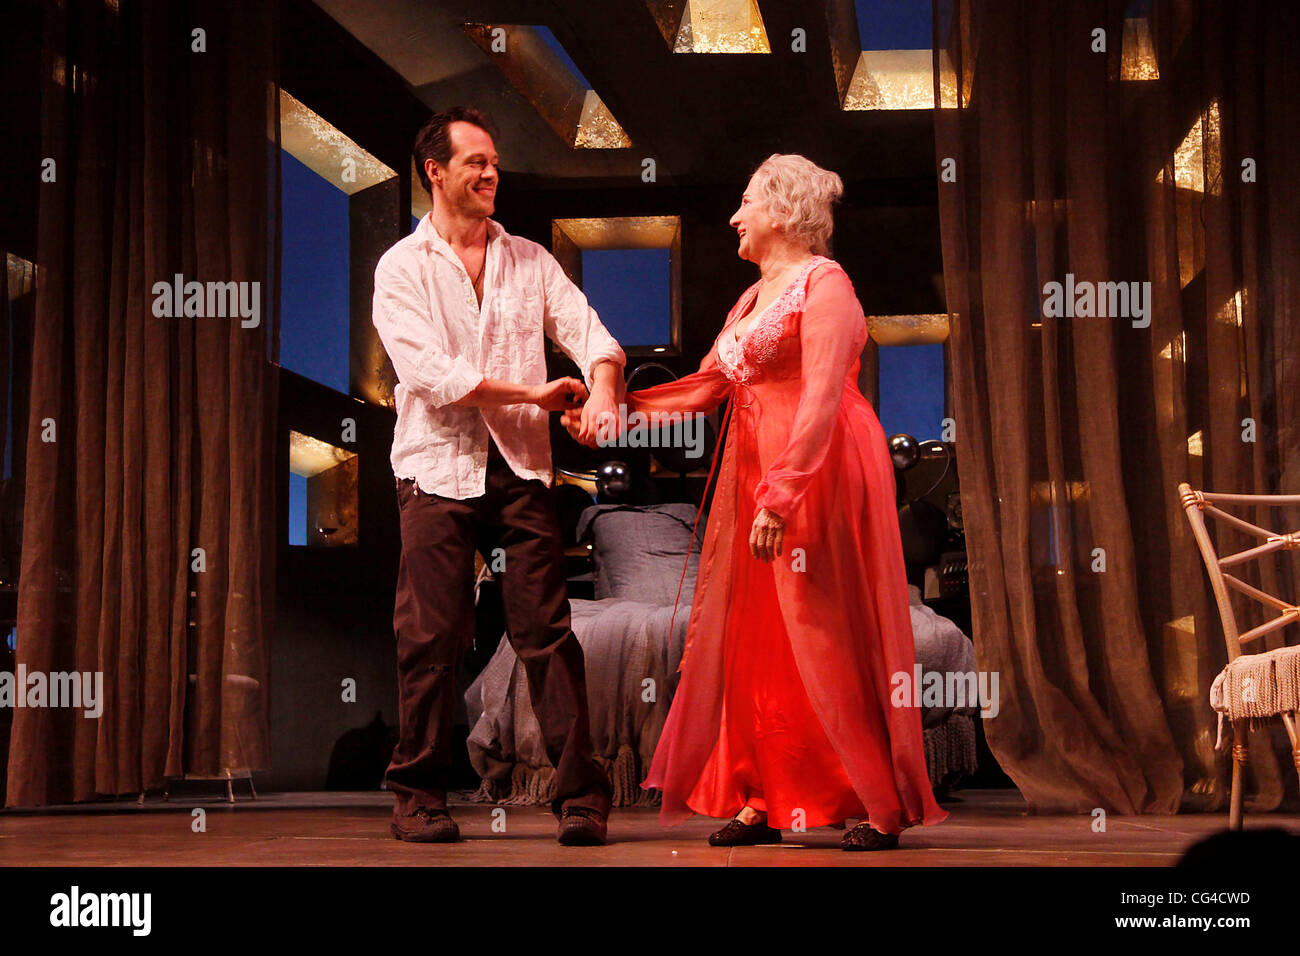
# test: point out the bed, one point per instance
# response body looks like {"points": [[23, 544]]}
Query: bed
{"points": [[631, 663]]}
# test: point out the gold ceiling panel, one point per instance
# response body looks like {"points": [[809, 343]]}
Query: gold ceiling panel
{"points": [[326, 150], [1138, 57], [898, 80], [597, 129], [1230, 313], [1198, 154], [22, 276], [668, 17], [621, 232], [1052, 493], [577, 114], [948, 83], [908, 329], [1058, 209], [1176, 349], [718, 26], [310, 456], [1196, 166], [571, 237], [1180, 658]]}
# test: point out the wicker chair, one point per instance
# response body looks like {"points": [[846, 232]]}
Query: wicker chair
{"points": [[1254, 686]]}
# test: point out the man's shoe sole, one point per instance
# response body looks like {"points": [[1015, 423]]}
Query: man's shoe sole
{"points": [[581, 841], [452, 837], [581, 837]]}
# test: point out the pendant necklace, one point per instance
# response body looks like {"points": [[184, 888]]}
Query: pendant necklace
{"points": [[483, 266]]}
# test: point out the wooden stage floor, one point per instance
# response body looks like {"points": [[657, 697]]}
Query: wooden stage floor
{"points": [[985, 828]]}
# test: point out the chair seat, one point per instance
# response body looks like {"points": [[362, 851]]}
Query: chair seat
{"points": [[1259, 685]]}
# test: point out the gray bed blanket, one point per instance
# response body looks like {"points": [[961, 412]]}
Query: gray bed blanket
{"points": [[631, 664]]}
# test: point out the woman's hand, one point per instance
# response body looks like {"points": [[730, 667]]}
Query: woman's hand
{"points": [[572, 422], [766, 535], [596, 423], [598, 420]]}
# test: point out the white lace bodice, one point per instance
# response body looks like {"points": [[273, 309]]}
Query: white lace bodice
{"points": [[741, 358]]}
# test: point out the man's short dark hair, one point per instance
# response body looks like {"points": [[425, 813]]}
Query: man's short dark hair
{"points": [[434, 139]]}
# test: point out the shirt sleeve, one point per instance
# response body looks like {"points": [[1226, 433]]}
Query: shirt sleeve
{"points": [[701, 391], [832, 333], [572, 324], [415, 341]]}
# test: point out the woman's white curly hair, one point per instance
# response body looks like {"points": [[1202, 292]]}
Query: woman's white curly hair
{"points": [[798, 194]]}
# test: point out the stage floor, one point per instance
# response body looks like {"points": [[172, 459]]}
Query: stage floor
{"points": [[985, 828]]}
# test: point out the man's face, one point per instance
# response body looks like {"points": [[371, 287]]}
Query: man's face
{"points": [[468, 183]]}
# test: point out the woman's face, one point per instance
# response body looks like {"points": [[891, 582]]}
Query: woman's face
{"points": [[753, 225]]}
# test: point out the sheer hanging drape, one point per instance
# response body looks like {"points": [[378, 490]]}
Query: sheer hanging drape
{"points": [[1126, 165], [149, 436]]}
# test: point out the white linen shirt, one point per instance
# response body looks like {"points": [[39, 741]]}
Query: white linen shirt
{"points": [[442, 344]]}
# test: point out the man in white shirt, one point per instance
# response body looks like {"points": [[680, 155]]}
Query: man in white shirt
{"points": [[463, 309]]}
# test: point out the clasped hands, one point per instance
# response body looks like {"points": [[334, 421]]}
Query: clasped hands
{"points": [[582, 412]]}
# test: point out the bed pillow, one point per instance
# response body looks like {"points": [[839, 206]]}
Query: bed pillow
{"points": [[640, 550]]}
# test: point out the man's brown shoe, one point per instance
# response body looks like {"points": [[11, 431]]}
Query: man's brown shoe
{"points": [[581, 826], [423, 825]]}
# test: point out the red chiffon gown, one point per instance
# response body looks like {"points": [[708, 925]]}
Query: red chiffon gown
{"points": [[783, 701]]}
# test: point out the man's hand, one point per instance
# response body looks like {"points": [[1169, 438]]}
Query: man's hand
{"points": [[766, 535], [598, 419], [560, 394]]}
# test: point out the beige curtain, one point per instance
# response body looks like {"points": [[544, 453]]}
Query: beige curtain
{"points": [[148, 437], [1117, 165]]}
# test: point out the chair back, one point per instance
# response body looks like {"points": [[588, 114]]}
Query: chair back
{"points": [[1198, 505]]}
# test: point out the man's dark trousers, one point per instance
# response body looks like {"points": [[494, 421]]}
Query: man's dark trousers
{"points": [[434, 623]]}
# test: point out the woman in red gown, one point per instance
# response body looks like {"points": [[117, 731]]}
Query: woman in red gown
{"points": [[782, 714]]}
